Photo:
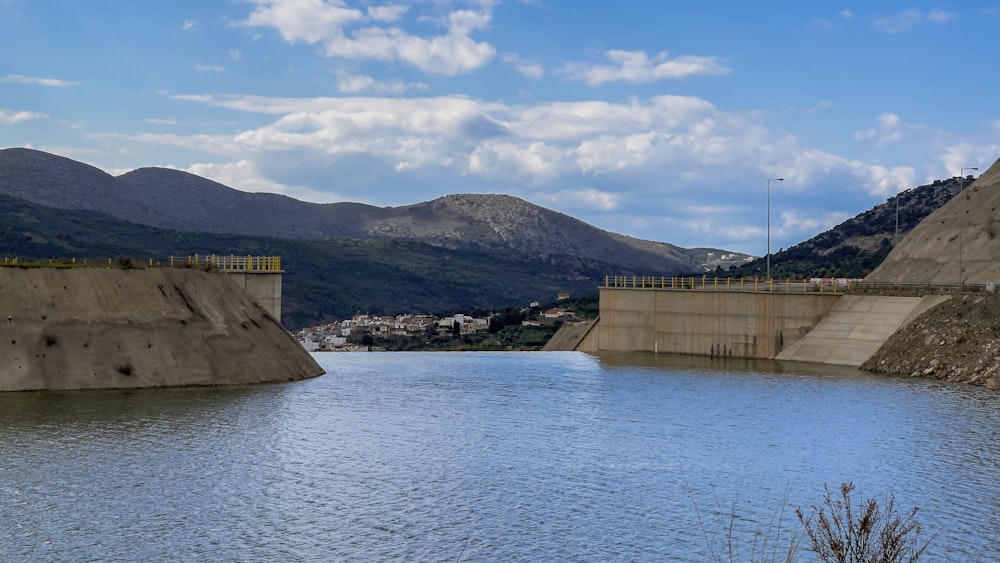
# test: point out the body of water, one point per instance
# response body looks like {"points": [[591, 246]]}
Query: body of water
{"points": [[451, 456]]}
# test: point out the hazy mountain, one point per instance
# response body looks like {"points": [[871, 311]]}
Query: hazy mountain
{"points": [[172, 199]]}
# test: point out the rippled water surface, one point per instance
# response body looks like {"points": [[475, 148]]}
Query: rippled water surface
{"points": [[490, 457]]}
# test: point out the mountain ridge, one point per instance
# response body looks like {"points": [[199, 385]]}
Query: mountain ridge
{"points": [[177, 200], [323, 280]]}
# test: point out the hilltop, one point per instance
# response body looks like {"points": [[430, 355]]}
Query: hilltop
{"points": [[323, 280], [492, 223]]}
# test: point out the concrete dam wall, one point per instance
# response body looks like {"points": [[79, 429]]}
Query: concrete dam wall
{"points": [[811, 327], [92, 328], [704, 322]]}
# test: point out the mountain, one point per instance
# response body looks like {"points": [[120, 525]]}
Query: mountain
{"points": [[171, 199], [854, 248], [323, 280]]}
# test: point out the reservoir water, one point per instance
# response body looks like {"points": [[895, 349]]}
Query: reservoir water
{"points": [[491, 457]]}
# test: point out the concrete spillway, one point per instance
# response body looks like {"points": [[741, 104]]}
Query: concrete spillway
{"points": [[856, 327]]}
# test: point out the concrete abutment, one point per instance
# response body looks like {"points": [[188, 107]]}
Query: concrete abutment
{"points": [[704, 322]]}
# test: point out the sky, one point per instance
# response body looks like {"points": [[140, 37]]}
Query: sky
{"points": [[665, 120]]}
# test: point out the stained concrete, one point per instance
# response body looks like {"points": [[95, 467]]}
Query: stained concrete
{"points": [[90, 328], [742, 324]]}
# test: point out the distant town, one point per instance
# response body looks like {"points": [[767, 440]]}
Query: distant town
{"points": [[513, 328]]}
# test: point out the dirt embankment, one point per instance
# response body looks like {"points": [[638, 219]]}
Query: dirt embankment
{"points": [[96, 328], [959, 340]]}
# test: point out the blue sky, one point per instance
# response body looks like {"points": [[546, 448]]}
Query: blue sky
{"points": [[660, 120]]}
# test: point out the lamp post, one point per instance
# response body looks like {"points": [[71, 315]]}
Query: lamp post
{"points": [[895, 237], [961, 227], [769, 223]]}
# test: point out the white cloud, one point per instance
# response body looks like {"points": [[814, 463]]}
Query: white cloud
{"points": [[844, 15], [243, 175], [387, 13], [450, 54], [530, 70], [797, 225], [235, 55], [941, 16], [188, 25], [888, 180], [964, 155], [494, 140], [910, 18], [156, 121], [889, 130], [12, 117], [54, 82], [326, 23], [649, 159], [589, 199], [805, 168], [310, 21], [638, 67], [819, 106], [354, 83], [209, 68]]}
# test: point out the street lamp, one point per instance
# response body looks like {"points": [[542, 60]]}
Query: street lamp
{"points": [[895, 237], [961, 227], [769, 223]]}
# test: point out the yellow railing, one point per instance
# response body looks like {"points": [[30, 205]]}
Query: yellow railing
{"points": [[828, 285], [226, 263], [231, 262]]}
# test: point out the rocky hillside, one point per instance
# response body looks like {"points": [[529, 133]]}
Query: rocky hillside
{"points": [[171, 199], [957, 243], [955, 341], [857, 246]]}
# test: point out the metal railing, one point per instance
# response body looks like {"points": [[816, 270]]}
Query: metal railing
{"points": [[230, 263], [225, 263], [820, 285]]}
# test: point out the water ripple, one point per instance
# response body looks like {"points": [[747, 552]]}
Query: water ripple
{"points": [[513, 457]]}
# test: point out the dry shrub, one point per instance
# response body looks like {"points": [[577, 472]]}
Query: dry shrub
{"points": [[874, 535]]}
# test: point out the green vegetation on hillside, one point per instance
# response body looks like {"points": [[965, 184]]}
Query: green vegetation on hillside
{"points": [[855, 247], [323, 280]]}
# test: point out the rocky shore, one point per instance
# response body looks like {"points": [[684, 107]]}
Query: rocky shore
{"points": [[958, 341]]}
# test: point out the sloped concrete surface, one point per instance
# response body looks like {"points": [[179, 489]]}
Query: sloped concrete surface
{"points": [[569, 336], [856, 327], [99, 328]]}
